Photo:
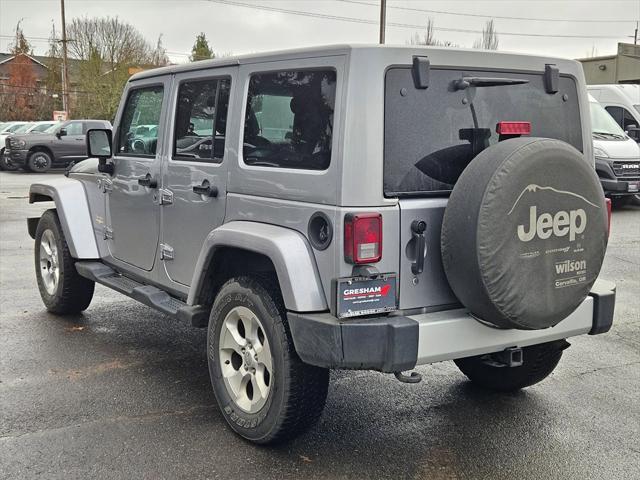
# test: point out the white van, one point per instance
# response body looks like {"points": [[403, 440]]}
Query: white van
{"points": [[617, 157], [622, 102]]}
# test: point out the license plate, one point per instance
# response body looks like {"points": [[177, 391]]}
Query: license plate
{"points": [[633, 187], [366, 296]]}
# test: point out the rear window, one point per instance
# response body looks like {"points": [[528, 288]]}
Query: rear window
{"points": [[289, 119], [431, 135]]}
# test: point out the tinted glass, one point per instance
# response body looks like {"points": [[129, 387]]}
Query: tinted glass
{"points": [[431, 135], [139, 124], [616, 113], [289, 119], [201, 120]]}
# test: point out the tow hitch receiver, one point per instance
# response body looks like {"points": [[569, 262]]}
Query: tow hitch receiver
{"points": [[414, 377], [509, 357]]}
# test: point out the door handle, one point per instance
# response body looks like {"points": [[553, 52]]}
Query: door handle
{"points": [[206, 189], [148, 181], [417, 233]]}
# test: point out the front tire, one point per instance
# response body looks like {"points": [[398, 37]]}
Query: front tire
{"points": [[4, 163], [63, 291], [39, 161], [538, 363], [265, 392]]}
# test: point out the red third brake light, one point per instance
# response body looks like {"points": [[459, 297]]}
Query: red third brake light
{"points": [[513, 128], [362, 237]]}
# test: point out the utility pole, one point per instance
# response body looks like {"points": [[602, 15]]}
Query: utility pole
{"points": [[383, 19], [65, 70]]}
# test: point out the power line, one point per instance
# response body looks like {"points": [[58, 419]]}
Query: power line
{"points": [[396, 24], [501, 17]]}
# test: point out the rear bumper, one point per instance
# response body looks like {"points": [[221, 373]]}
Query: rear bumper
{"points": [[398, 343]]}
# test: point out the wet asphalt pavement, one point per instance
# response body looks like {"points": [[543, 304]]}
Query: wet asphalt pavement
{"points": [[123, 392]]}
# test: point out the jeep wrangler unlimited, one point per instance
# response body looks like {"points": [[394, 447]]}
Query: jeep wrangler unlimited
{"points": [[354, 207]]}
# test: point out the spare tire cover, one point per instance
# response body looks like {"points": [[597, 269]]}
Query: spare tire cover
{"points": [[524, 233]]}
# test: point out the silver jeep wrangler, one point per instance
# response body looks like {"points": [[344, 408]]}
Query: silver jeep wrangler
{"points": [[354, 207]]}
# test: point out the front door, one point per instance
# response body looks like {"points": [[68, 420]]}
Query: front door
{"points": [[71, 146], [194, 184], [133, 216]]}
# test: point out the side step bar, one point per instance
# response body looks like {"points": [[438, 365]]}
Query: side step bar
{"points": [[149, 295]]}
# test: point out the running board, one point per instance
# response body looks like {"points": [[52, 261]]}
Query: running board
{"points": [[149, 295]]}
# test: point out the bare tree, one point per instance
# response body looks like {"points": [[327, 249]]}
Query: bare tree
{"points": [[489, 40], [159, 56], [428, 37], [107, 49]]}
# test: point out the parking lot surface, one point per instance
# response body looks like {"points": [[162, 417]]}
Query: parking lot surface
{"points": [[123, 392]]}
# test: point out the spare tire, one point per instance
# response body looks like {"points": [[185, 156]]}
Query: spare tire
{"points": [[524, 233]]}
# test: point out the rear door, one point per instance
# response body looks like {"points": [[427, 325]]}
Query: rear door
{"points": [[194, 180], [432, 134]]}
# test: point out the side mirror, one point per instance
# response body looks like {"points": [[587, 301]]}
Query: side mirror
{"points": [[99, 144], [61, 133], [633, 131]]}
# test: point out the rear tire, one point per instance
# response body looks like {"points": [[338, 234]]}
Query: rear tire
{"points": [[40, 161], [538, 363], [265, 392], [62, 289]]}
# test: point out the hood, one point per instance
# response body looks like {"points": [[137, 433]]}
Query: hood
{"points": [[37, 136], [627, 149]]}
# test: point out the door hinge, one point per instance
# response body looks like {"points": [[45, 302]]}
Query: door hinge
{"points": [[166, 196], [108, 233], [105, 185], [166, 252]]}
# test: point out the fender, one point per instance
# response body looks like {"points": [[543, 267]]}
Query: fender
{"points": [[73, 210], [289, 252]]}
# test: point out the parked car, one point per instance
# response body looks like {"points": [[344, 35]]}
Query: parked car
{"points": [[30, 127], [54, 148], [622, 102], [423, 205], [7, 129], [36, 127], [617, 156]]}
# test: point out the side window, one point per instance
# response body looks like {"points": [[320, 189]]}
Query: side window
{"points": [[616, 113], [139, 124], [201, 120], [74, 128], [289, 119], [628, 120]]}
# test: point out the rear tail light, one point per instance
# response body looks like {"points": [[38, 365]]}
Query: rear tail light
{"points": [[513, 128], [608, 202], [362, 237]]}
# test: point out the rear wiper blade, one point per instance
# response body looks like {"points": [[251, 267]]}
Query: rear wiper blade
{"points": [[466, 82]]}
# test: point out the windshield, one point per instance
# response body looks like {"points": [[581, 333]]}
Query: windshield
{"points": [[51, 129], [432, 134], [603, 124], [13, 128], [43, 127], [23, 128]]}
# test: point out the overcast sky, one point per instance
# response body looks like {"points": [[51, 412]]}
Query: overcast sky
{"points": [[233, 27]]}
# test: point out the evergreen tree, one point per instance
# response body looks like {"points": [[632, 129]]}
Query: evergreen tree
{"points": [[201, 49]]}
